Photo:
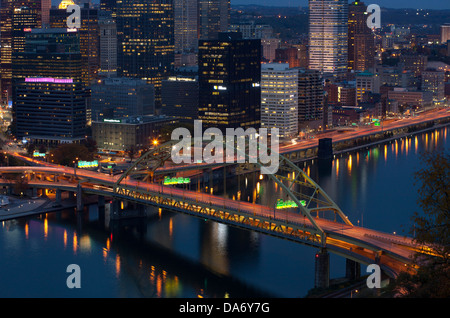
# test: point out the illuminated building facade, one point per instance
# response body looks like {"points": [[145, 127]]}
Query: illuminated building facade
{"points": [[434, 81], [108, 48], [310, 96], [186, 25], [8, 12], [229, 76], [145, 32], [328, 30], [89, 39], [214, 17], [48, 92], [50, 110], [180, 98], [123, 133], [361, 40], [121, 97], [24, 19], [366, 82], [279, 99], [49, 52], [445, 33]]}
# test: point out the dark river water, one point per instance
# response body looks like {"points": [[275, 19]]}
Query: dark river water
{"points": [[175, 255]]}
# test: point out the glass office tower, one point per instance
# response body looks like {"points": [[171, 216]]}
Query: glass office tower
{"points": [[328, 28]]}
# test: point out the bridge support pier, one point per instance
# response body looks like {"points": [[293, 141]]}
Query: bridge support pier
{"points": [[114, 212], [80, 203], [58, 196], [101, 201], [322, 269], [352, 269], [34, 192]]}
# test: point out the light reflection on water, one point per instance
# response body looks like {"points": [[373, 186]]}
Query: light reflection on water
{"points": [[172, 255]]}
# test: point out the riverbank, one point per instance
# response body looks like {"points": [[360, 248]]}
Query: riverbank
{"points": [[22, 207]]}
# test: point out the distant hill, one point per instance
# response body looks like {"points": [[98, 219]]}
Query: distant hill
{"points": [[289, 22]]}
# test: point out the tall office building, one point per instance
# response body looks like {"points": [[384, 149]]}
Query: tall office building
{"points": [[445, 33], [109, 6], [214, 17], [108, 48], [50, 52], [310, 96], [366, 82], [24, 20], [121, 97], [7, 12], [229, 76], [145, 41], [186, 23], [48, 95], [180, 98], [49, 110], [434, 81], [328, 29], [279, 99], [361, 40], [89, 38]]}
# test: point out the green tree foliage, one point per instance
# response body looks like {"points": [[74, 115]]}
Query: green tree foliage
{"points": [[66, 154], [432, 228]]}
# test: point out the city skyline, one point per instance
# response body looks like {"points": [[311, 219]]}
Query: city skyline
{"points": [[399, 4]]}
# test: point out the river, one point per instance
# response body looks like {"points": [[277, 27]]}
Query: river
{"points": [[174, 255]]}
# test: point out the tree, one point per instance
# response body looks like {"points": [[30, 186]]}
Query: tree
{"points": [[31, 148], [432, 228], [131, 151], [67, 154]]}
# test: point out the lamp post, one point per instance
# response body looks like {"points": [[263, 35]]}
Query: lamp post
{"points": [[74, 166]]}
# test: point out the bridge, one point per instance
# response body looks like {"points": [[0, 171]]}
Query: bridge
{"points": [[313, 218]]}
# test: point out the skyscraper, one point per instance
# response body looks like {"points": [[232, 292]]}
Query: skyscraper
{"points": [[48, 95], [145, 41], [214, 17], [24, 19], [229, 78], [445, 33], [7, 11], [108, 48], [361, 40], [186, 23], [328, 25], [89, 38], [310, 96], [279, 99]]}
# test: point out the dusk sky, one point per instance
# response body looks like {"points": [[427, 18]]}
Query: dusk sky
{"points": [[416, 4]]}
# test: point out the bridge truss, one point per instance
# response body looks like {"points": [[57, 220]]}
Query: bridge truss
{"points": [[310, 199]]}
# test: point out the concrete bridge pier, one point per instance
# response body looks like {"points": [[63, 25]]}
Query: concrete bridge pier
{"points": [[58, 196], [115, 209], [80, 203], [352, 269], [322, 269], [101, 201]]}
